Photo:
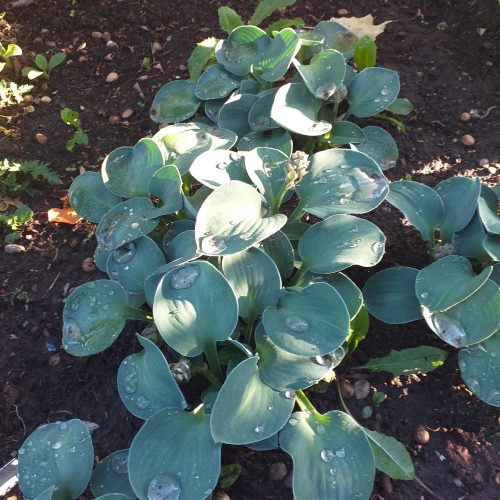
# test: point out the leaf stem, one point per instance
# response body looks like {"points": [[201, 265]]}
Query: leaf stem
{"points": [[212, 356], [296, 214], [305, 405], [342, 402], [249, 329], [207, 373], [138, 314], [297, 277]]}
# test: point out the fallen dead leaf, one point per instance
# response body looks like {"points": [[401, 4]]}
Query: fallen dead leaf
{"points": [[6, 202], [65, 215], [362, 26]]}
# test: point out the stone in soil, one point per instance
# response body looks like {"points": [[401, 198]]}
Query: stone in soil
{"points": [[14, 248], [277, 471], [361, 389]]}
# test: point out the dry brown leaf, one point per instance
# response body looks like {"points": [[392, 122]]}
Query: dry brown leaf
{"points": [[362, 26], [65, 215], [6, 202]]}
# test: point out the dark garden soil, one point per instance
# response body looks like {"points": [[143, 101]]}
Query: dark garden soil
{"points": [[447, 55]]}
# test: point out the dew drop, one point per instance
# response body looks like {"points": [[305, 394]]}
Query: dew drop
{"points": [[164, 487], [340, 453], [185, 277], [424, 295], [259, 429], [125, 253], [71, 331], [143, 402], [289, 394], [293, 422], [327, 455], [21, 451], [119, 463], [377, 247], [221, 166], [75, 304], [493, 396], [131, 382], [449, 329], [385, 91], [296, 323], [56, 446]]}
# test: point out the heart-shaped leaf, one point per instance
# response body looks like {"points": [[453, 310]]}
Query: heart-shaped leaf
{"points": [[59, 454], [324, 73], [111, 476], [336, 36], [283, 370], [247, 410], [127, 171], [371, 91], [145, 383], [459, 196], [390, 295], [447, 282], [182, 246], [132, 263], [90, 198], [380, 146], [339, 242], [295, 110], [233, 115], [174, 454], [174, 102], [480, 368], [341, 181], [194, 307], [420, 204], [255, 280], [276, 139], [310, 321], [331, 454], [216, 83], [229, 220]]}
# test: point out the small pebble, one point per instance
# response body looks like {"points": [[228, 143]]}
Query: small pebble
{"points": [[155, 47], [289, 480], [483, 162], [41, 138], [492, 169], [342, 12], [96, 35], [127, 113], [367, 412], [88, 265], [277, 471], [44, 31], [46, 99], [465, 117], [14, 248], [467, 140], [112, 77], [220, 495], [38, 42], [114, 120], [106, 36], [497, 478], [421, 435], [28, 99], [29, 109], [54, 359], [110, 44], [346, 389], [361, 389], [51, 44]]}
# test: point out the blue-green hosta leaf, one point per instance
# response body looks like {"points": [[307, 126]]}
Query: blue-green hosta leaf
{"points": [[345, 132], [255, 279], [259, 116], [471, 321], [194, 306], [296, 110], [126, 222], [192, 204], [279, 248], [216, 167], [111, 476], [469, 242], [341, 181], [390, 295], [310, 321], [339, 242], [216, 83], [182, 246], [492, 246], [234, 113], [59, 454], [488, 209], [372, 90], [391, 457], [132, 263], [229, 220], [324, 73], [401, 106], [268, 169], [380, 146], [94, 315], [177, 227], [337, 37], [101, 256], [145, 383], [284, 371], [480, 368], [166, 185], [247, 410], [241, 49], [276, 138], [174, 456], [229, 19], [421, 359], [459, 196], [174, 102], [276, 58], [447, 282], [420, 204], [250, 86], [266, 7], [331, 454], [212, 108], [90, 197], [495, 274], [127, 171], [200, 57]]}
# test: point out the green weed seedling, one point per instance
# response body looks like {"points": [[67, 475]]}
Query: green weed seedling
{"points": [[43, 67], [72, 118], [6, 53]]}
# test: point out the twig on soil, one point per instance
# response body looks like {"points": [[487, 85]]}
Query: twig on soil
{"points": [[426, 488], [54, 282], [20, 419]]}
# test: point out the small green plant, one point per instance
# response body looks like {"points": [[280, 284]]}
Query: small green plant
{"points": [[74, 5], [146, 63], [12, 93], [12, 50], [22, 178], [44, 67], [15, 221], [72, 118]]}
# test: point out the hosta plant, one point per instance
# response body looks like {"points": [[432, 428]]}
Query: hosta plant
{"points": [[200, 232], [458, 294]]}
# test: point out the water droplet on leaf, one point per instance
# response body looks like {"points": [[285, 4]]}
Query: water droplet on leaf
{"points": [[119, 463], [296, 323], [185, 277], [327, 455], [164, 487]]}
